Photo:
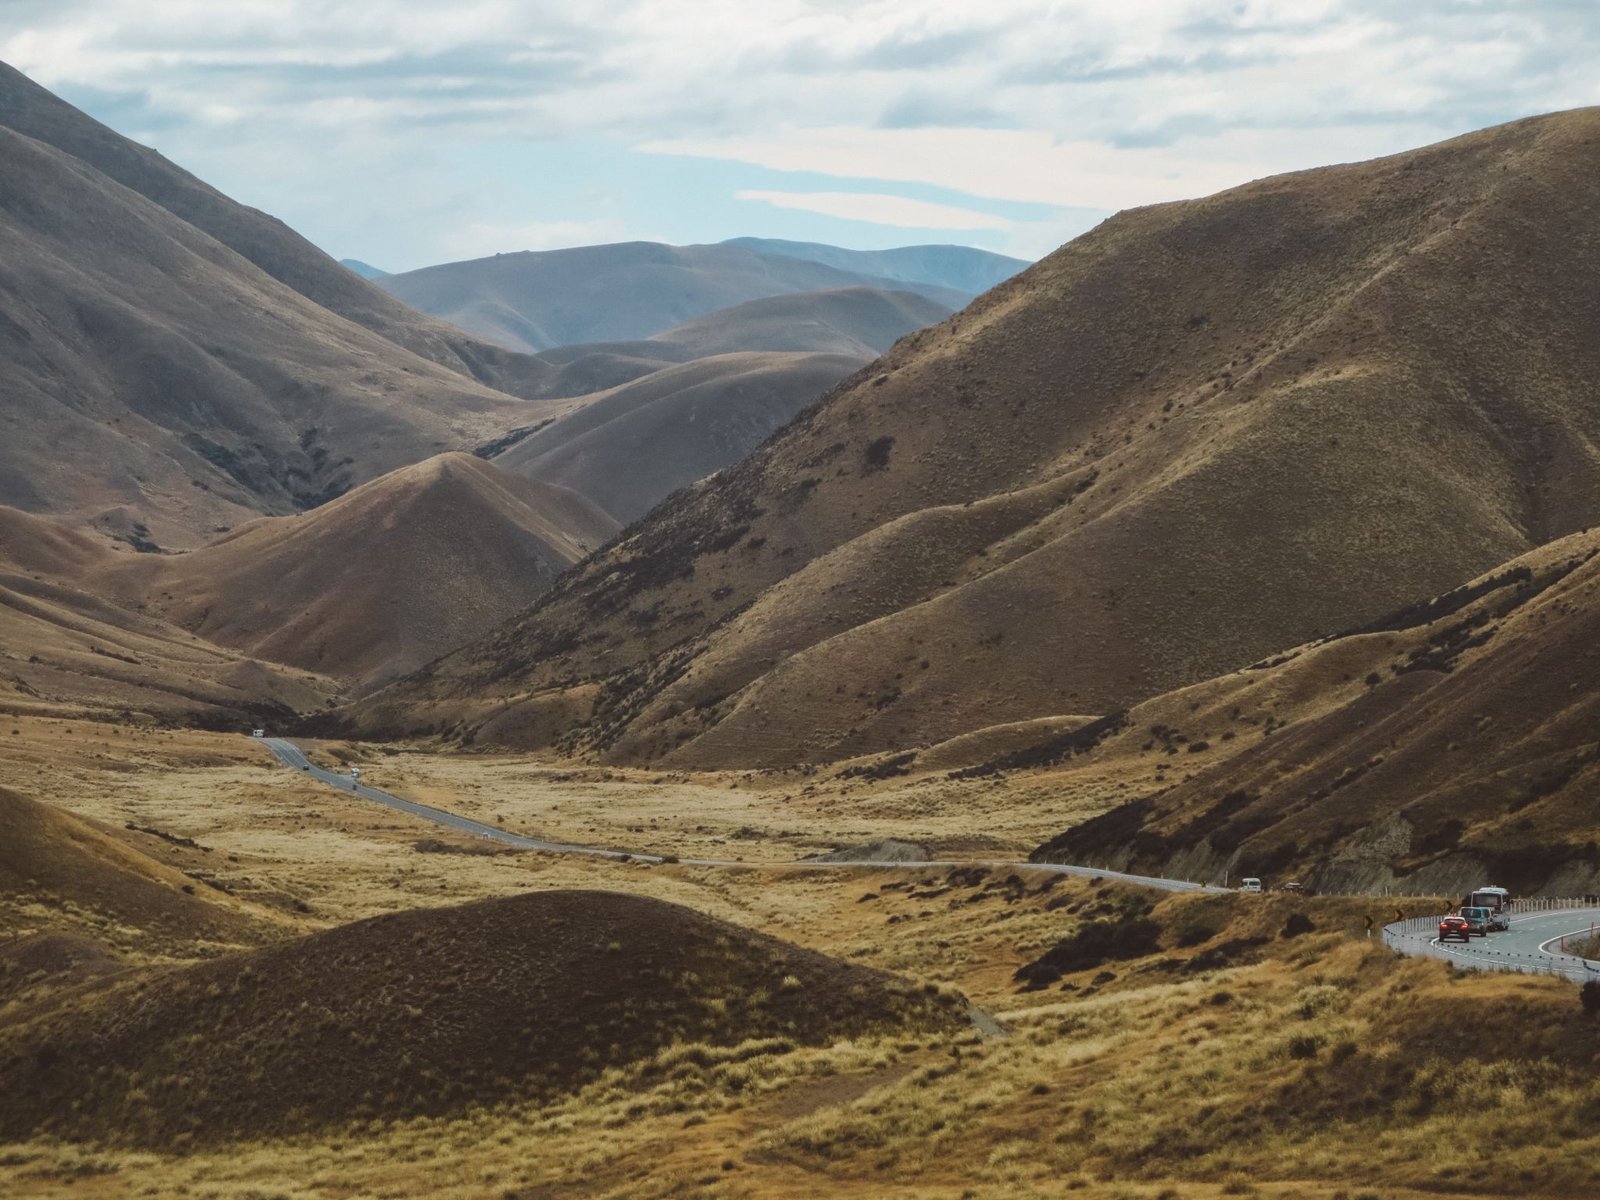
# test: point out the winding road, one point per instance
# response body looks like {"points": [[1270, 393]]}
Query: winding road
{"points": [[290, 755], [1532, 944]]}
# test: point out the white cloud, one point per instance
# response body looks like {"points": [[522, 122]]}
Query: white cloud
{"points": [[1005, 164], [302, 104], [880, 209]]}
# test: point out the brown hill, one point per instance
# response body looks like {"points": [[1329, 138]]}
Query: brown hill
{"points": [[628, 448], [379, 581], [65, 649], [1200, 432], [862, 322], [533, 300], [150, 367], [265, 241], [60, 874], [427, 1011], [1453, 743]]}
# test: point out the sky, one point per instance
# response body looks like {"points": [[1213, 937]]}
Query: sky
{"points": [[411, 132]]}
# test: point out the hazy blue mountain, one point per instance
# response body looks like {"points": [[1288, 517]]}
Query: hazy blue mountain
{"points": [[365, 270], [963, 268]]}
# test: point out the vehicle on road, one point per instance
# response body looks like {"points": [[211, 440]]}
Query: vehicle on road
{"points": [[1477, 920], [355, 774], [258, 733], [1292, 886], [1250, 884], [1497, 900], [1454, 927]]}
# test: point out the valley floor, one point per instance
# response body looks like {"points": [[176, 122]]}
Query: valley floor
{"points": [[1219, 1050]]}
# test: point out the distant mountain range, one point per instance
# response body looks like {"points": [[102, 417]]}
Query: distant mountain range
{"points": [[535, 300], [960, 268]]}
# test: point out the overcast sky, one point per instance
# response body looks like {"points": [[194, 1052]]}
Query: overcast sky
{"points": [[408, 132]]}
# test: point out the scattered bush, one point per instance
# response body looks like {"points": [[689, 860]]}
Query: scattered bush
{"points": [[1094, 943]]}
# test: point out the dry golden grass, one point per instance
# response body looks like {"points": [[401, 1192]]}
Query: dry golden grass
{"points": [[1238, 1080]]}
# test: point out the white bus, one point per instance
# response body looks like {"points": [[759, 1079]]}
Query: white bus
{"points": [[1497, 900]]}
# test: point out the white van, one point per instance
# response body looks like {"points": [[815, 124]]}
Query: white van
{"points": [[1250, 884]]}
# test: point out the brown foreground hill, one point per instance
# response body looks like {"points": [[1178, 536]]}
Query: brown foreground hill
{"points": [[379, 581], [1451, 743], [428, 1011], [1199, 433]]}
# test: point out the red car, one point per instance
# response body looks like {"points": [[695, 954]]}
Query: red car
{"points": [[1455, 927]]}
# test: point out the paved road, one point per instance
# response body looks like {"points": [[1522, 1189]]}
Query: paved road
{"points": [[290, 755], [1533, 943]]}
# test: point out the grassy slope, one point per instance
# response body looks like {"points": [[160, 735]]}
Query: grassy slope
{"points": [[61, 874]]}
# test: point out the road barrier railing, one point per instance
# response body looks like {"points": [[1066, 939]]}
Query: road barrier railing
{"points": [[1419, 936]]}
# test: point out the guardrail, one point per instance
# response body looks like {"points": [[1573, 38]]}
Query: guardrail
{"points": [[1418, 936]]}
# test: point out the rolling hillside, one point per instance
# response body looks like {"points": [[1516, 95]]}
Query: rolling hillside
{"points": [[534, 300], [628, 448], [1199, 433], [59, 873], [66, 649], [379, 581]]}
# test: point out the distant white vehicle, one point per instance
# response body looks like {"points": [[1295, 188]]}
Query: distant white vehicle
{"points": [[1252, 884], [355, 774], [258, 733]]}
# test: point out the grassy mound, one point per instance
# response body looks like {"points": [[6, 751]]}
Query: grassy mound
{"points": [[427, 1011], [58, 871]]}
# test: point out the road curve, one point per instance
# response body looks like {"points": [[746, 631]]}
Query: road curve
{"points": [[1532, 944], [290, 755]]}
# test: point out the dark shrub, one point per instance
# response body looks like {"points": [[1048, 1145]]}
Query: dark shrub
{"points": [[1297, 924], [1589, 996]]}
